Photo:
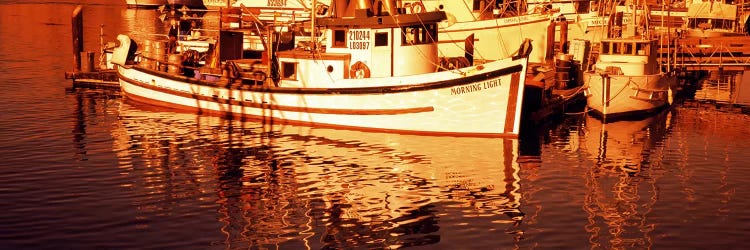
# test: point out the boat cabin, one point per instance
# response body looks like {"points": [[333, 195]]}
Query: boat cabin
{"points": [[711, 16], [628, 56], [364, 46]]}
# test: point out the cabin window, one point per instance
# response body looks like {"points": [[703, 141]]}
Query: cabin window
{"points": [[723, 24], [288, 71], [627, 48], [605, 47], [643, 49], [419, 34], [339, 39], [616, 48], [381, 39]]}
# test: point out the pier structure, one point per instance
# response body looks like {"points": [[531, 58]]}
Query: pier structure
{"points": [[714, 53], [86, 73]]}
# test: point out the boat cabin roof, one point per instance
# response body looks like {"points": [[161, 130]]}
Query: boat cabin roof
{"points": [[712, 10], [385, 21]]}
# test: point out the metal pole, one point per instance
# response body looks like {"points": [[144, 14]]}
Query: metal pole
{"points": [[77, 24]]}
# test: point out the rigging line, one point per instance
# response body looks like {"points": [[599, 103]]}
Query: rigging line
{"points": [[470, 9], [630, 80], [499, 37]]}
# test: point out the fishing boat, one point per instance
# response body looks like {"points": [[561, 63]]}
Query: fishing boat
{"points": [[375, 71], [217, 4], [712, 19], [192, 4], [145, 3], [627, 79], [284, 10], [247, 16], [495, 27]]}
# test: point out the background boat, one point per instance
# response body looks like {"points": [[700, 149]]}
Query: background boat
{"points": [[627, 79], [145, 3], [216, 4], [192, 4], [496, 28], [712, 19]]}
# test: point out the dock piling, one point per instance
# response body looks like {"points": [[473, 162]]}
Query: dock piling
{"points": [[77, 24]]}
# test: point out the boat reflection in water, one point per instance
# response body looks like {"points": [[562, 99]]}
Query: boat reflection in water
{"points": [[301, 187], [621, 184]]}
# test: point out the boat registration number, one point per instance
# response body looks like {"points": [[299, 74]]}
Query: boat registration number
{"points": [[276, 3], [359, 39]]}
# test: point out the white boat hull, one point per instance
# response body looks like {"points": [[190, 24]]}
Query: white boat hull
{"points": [[495, 39], [217, 4], [145, 3], [483, 101], [622, 95]]}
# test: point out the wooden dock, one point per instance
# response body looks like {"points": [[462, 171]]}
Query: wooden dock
{"points": [[728, 53], [544, 98], [85, 74], [98, 79]]}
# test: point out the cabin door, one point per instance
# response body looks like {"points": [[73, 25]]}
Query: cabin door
{"points": [[382, 52]]}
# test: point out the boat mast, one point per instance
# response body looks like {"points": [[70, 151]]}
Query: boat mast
{"points": [[313, 15]]}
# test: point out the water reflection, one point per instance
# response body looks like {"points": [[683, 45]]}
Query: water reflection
{"points": [[719, 86], [301, 187], [621, 185]]}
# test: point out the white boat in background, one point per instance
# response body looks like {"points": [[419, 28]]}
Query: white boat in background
{"points": [[247, 16], [216, 4], [283, 11], [712, 19], [627, 79], [497, 28], [192, 4], [145, 3], [372, 72]]}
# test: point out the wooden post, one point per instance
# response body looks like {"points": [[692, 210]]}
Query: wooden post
{"points": [[550, 41], [77, 23]]}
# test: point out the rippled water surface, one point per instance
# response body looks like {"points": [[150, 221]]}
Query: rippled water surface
{"points": [[85, 169]]}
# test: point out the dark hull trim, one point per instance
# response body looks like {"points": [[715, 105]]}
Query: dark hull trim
{"points": [[271, 121], [628, 116], [351, 91], [251, 104]]}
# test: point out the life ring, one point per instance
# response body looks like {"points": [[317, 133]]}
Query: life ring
{"points": [[417, 7], [359, 70]]}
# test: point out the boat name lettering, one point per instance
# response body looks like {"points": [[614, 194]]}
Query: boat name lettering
{"points": [[276, 3], [359, 39], [475, 87], [600, 21], [515, 19]]}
